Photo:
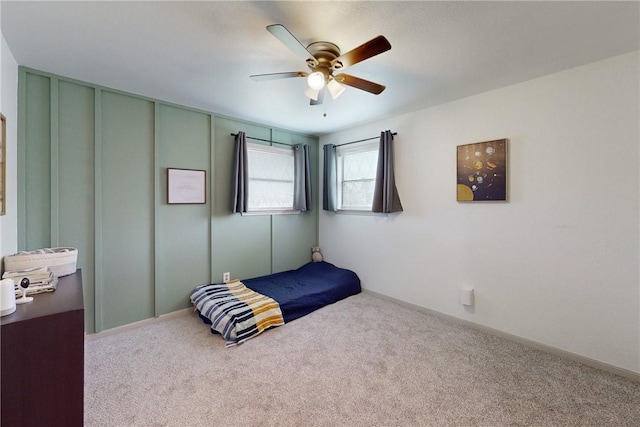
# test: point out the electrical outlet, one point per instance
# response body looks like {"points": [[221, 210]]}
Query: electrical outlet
{"points": [[226, 277]]}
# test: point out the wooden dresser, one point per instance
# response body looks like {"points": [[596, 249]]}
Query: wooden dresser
{"points": [[42, 350]]}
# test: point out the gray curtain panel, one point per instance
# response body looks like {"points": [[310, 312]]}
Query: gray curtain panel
{"points": [[302, 200], [240, 175], [329, 179], [385, 194]]}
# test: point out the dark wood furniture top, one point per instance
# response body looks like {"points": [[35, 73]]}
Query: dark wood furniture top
{"points": [[67, 297]]}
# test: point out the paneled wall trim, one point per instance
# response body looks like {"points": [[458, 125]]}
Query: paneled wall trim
{"points": [[92, 174]]}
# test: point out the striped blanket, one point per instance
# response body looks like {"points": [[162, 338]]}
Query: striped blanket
{"points": [[235, 311]]}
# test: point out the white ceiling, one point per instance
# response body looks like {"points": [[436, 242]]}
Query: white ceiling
{"points": [[201, 54]]}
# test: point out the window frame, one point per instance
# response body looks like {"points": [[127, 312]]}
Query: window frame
{"points": [[270, 149], [350, 149]]}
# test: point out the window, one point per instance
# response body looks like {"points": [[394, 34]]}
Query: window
{"points": [[356, 173], [271, 172]]}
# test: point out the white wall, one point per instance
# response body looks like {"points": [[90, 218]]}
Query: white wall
{"points": [[559, 263], [9, 108]]}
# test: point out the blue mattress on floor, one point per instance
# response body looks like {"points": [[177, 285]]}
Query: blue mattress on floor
{"points": [[306, 289]]}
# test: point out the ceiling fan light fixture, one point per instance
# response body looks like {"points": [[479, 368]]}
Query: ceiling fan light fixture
{"points": [[315, 80], [335, 88], [323, 58], [312, 93]]}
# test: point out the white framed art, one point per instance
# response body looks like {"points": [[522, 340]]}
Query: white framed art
{"points": [[186, 186]]}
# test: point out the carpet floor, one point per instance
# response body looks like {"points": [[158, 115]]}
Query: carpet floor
{"points": [[364, 361]]}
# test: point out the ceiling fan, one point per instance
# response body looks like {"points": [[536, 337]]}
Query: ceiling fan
{"points": [[323, 59]]}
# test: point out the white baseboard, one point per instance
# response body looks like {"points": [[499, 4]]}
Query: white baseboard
{"points": [[635, 376], [139, 324]]}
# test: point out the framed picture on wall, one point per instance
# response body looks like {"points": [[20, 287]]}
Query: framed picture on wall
{"points": [[482, 171], [186, 186], [3, 165]]}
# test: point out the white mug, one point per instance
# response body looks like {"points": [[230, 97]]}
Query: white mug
{"points": [[7, 297]]}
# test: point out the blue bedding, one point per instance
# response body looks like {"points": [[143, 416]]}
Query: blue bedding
{"points": [[306, 289]]}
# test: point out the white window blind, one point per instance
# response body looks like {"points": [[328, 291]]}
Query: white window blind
{"points": [[356, 171], [271, 172]]}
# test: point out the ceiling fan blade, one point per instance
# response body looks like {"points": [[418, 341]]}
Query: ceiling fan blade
{"points": [[319, 100], [365, 51], [359, 83], [281, 33], [273, 76]]}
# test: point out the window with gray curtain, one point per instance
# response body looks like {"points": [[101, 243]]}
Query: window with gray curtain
{"points": [[360, 177], [270, 179]]}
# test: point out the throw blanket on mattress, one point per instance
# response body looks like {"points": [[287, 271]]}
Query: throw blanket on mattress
{"points": [[235, 311]]}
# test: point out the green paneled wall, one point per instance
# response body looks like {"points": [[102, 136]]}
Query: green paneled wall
{"points": [[182, 253], [127, 217], [37, 172], [92, 175], [73, 208]]}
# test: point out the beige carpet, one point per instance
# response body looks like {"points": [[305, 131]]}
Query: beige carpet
{"points": [[364, 361]]}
